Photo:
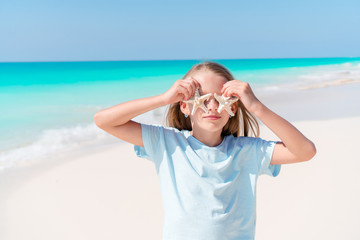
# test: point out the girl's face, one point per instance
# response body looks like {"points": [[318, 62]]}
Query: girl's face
{"points": [[211, 121]]}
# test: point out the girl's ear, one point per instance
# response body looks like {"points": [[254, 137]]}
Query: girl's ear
{"points": [[184, 108], [234, 107]]}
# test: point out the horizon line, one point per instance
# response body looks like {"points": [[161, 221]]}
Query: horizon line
{"points": [[199, 59]]}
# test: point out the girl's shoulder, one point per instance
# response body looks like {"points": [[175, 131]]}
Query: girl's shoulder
{"points": [[154, 127]]}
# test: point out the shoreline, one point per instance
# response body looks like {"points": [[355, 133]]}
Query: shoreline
{"points": [[324, 103], [325, 84], [53, 141]]}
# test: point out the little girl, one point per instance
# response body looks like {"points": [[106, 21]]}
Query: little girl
{"points": [[206, 161]]}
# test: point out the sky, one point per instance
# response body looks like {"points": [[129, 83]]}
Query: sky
{"points": [[107, 30]]}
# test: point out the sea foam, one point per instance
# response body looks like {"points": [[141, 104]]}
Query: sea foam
{"points": [[61, 140]]}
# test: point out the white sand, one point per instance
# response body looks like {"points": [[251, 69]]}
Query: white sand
{"points": [[109, 193]]}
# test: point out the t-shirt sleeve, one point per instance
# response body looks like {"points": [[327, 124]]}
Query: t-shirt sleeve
{"points": [[264, 152], [151, 139]]}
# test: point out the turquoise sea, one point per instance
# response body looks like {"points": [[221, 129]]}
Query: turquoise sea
{"points": [[48, 107]]}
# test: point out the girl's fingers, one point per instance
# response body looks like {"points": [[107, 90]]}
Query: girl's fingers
{"points": [[197, 84], [238, 87], [233, 83], [185, 91], [189, 87], [228, 92], [233, 91], [226, 86], [191, 84], [192, 88], [223, 90]]}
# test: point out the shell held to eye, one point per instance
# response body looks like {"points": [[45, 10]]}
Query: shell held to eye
{"points": [[224, 102]]}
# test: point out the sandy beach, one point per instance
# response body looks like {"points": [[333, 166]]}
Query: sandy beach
{"points": [[109, 193]]}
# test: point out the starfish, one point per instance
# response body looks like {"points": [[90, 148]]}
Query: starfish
{"points": [[225, 103], [198, 101]]}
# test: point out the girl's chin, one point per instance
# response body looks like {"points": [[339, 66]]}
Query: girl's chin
{"points": [[212, 126]]}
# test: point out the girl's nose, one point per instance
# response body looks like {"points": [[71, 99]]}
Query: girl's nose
{"points": [[212, 104]]}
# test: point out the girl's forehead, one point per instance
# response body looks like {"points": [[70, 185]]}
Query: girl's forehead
{"points": [[210, 82]]}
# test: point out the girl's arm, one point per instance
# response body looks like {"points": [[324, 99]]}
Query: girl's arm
{"points": [[295, 147], [116, 120]]}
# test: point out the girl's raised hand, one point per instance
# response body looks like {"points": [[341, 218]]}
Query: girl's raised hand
{"points": [[182, 90], [243, 91]]}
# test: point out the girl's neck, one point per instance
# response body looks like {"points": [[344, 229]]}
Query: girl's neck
{"points": [[211, 139]]}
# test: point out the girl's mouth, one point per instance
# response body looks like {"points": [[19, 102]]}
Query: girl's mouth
{"points": [[212, 117]]}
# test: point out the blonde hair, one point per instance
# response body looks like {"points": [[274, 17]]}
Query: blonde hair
{"points": [[242, 124]]}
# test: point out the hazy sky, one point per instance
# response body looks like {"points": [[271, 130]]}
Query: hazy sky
{"points": [[78, 30]]}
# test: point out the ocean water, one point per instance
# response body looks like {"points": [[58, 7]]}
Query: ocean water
{"points": [[48, 107]]}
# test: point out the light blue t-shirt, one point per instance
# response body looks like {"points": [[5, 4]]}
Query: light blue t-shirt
{"points": [[208, 193]]}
